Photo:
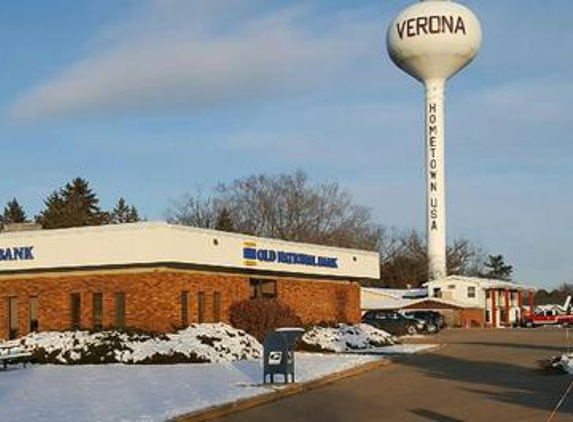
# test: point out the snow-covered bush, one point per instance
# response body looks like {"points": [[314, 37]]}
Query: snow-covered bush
{"points": [[201, 343], [343, 338], [196, 344], [563, 363]]}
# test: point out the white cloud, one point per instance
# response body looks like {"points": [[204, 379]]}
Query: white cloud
{"points": [[158, 60]]}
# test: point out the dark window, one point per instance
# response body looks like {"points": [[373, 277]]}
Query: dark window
{"points": [[217, 307], [437, 292], [263, 289], [12, 318], [201, 307], [471, 292], [97, 311], [120, 310], [184, 309], [76, 301], [33, 315]]}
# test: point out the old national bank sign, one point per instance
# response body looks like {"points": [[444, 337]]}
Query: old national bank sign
{"points": [[252, 255], [23, 253]]}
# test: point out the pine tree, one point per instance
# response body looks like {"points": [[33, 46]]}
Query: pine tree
{"points": [[123, 213], [74, 205], [53, 215], [13, 213], [497, 267]]}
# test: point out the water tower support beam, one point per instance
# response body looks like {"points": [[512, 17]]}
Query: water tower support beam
{"points": [[435, 179]]}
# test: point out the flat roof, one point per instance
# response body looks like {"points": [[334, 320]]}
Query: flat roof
{"points": [[485, 283], [160, 242]]}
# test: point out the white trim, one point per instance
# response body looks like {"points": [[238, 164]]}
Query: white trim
{"points": [[160, 242]]}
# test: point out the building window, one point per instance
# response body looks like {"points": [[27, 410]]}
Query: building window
{"points": [[120, 310], [12, 318], [76, 303], [452, 287], [471, 292], [97, 311], [184, 309], [487, 316], [488, 294], [201, 307], [437, 292], [33, 315], [263, 289], [217, 307]]}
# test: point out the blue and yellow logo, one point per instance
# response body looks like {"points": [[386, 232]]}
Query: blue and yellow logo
{"points": [[250, 254]]}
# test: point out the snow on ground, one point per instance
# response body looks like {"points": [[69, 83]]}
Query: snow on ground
{"points": [[344, 338], [564, 362], [108, 393], [196, 343]]}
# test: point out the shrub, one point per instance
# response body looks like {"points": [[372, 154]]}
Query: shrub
{"points": [[261, 316]]}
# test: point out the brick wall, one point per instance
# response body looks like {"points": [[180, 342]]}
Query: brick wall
{"points": [[153, 298], [472, 318], [321, 301]]}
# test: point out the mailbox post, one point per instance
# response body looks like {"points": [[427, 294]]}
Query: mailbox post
{"points": [[279, 353]]}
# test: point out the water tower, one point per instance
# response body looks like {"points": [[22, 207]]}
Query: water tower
{"points": [[432, 41]]}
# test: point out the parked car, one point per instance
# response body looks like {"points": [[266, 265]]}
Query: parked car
{"points": [[440, 318], [434, 320], [545, 318], [392, 322], [422, 325]]}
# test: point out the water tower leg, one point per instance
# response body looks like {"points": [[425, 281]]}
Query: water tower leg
{"points": [[435, 180]]}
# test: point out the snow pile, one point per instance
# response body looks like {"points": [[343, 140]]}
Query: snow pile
{"points": [[344, 338], [563, 362], [195, 344]]}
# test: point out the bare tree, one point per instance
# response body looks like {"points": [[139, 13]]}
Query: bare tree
{"points": [[196, 210], [566, 288], [465, 258], [291, 207], [288, 207], [404, 259]]}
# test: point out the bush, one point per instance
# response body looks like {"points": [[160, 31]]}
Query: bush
{"points": [[196, 344], [261, 316]]}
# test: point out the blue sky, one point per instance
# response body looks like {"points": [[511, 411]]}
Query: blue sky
{"points": [[151, 99]]}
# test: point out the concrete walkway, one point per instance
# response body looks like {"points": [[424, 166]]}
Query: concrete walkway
{"points": [[478, 376]]}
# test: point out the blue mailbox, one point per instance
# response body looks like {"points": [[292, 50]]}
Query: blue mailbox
{"points": [[279, 353]]}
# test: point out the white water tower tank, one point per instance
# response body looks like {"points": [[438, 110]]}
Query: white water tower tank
{"points": [[432, 41]]}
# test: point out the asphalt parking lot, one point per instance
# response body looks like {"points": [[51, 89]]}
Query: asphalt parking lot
{"points": [[478, 375]]}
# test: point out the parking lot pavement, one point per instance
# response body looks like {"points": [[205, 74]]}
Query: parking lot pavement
{"points": [[479, 375]]}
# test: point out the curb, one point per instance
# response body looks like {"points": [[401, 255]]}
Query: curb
{"points": [[215, 412]]}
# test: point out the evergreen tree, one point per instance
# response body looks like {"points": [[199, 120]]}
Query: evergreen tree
{"points": [[74, 205], [53, 214], [123, 213], [224, 221], [497, 268], [13, 213]]}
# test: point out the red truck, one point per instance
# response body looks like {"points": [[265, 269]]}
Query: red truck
{"points": [[560, 315]]}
